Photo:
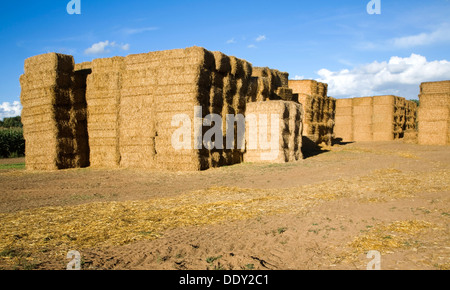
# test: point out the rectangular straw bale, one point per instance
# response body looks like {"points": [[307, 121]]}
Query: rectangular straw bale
{"points": [[49, 62], [384, 100], [434, 127], [340, 103], [434, 100], [363, 101], [288, 138], [344, 111], [309, 87], [322, 89], [434, 114], [363, 133], [432, 138], [435, 87], [383, 136], [284, 93], [83, 66]]}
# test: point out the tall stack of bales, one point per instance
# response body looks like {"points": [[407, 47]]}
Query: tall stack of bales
{"points": [[54, 138], [262, 146], [103, 100], [385, 118], [137, 116], [178, 80], [328, 120], [379, 118], [399, 117], [319, 115], [228, 94], [410, 132], [434, 113], [362, 119], [196, 82], [344, 120]]}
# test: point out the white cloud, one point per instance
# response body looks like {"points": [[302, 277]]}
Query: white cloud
{"points": [[251, 46], [298, 78], [125, 47], [101, 47], [10, 110], [398, 76], [261, 38], [230, 41], [98, 48], [439, 35]]}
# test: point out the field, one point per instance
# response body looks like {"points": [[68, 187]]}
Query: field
{"points": [[324, 212]]}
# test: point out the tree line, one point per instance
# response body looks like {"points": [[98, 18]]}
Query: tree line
{"points": [[12, 143]]}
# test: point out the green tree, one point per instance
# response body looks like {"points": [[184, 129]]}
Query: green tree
{"points": [[417, 102], [14, 122]]}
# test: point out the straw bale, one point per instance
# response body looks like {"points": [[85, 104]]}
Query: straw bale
{"points": [[384, 100], [49, 62], [284, 93], [344, 111], [363, 101], [83, 66], [322, 89], [435, 87], [344, 131], [433, 127], [432, 139], [363, 133], [223, 62], [340, 103], [309, 87], [290, 131], [383, 127], [434, 114], [434, 100]]}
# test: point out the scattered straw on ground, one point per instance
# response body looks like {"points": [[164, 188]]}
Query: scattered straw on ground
{"points": [[53, 231]]}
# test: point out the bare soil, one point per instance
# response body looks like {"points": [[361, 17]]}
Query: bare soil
{"points": [[398, 204]]}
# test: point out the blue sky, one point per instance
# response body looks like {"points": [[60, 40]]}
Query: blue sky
{"points": [[337, 42]]}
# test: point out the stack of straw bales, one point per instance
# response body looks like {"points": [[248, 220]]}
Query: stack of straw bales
{"points": [[195, 77], [344, 119], [379, 118], [103, 101], [269, 84], [178, 80], [319, 116], [228, 96], [434, 113], [137, 115], [54, 113], [288, 141], [119, 112]]}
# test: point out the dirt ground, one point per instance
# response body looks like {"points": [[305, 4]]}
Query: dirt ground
{"points": [[325, 212]]}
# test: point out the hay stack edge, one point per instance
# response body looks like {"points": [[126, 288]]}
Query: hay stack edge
{"points": [[117, 112]]}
